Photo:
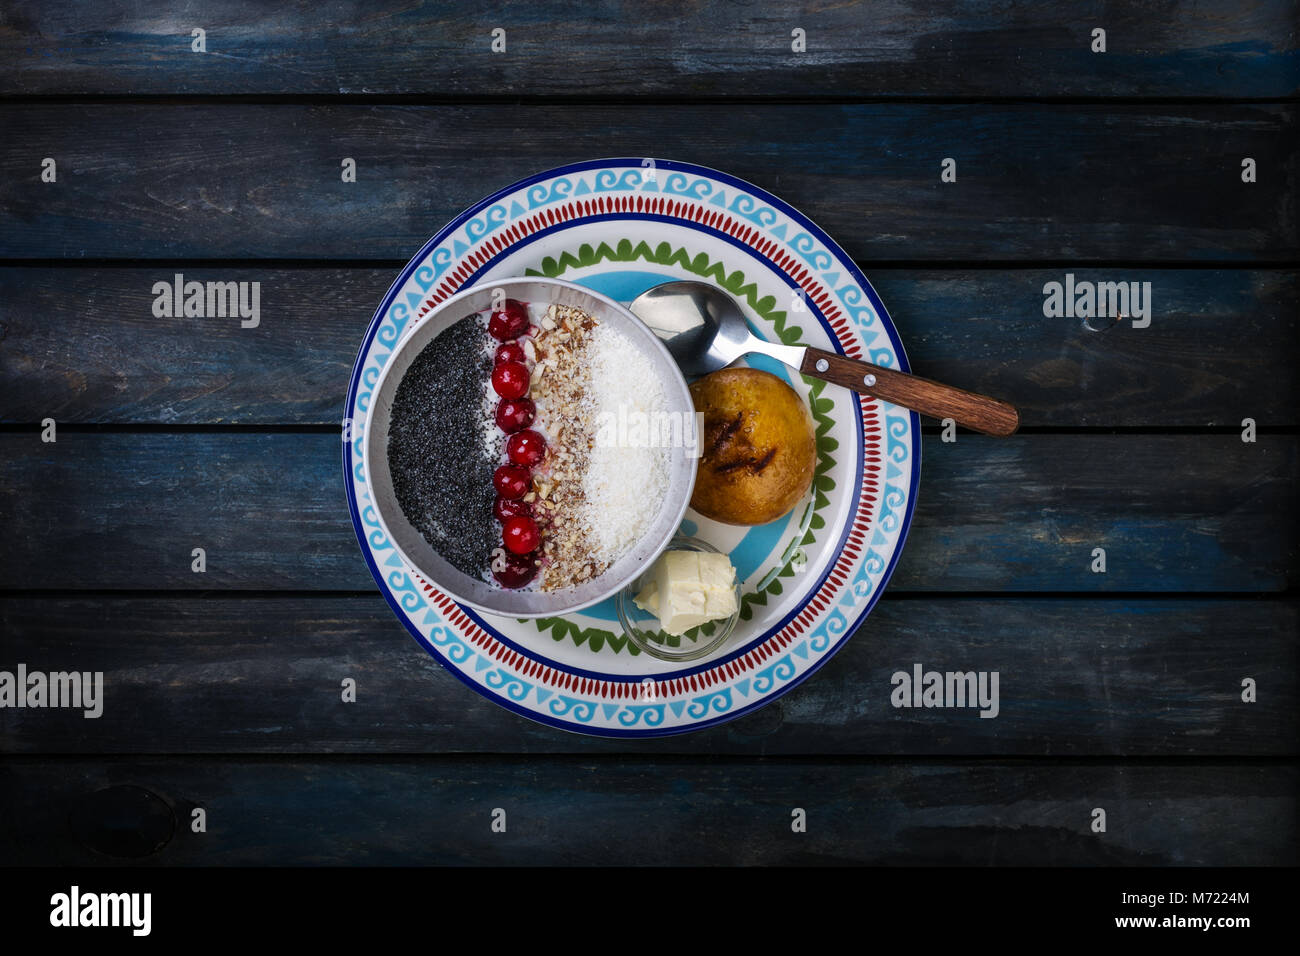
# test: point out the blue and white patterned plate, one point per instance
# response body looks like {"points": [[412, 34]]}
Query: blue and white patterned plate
{"points": [[620, 226]]}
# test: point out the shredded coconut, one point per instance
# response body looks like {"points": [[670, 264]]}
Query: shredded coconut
{"points": [[627, 469]]}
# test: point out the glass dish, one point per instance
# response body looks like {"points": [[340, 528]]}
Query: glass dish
{"points": [[642, 628]]}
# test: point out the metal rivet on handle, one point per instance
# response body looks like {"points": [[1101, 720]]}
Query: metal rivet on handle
{"points": [[823, 365], [868, 380]]}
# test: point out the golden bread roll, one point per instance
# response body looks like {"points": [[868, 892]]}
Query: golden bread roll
{"points": [[759, 447]]}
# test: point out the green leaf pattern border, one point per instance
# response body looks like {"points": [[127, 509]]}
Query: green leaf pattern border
{"points": [[595, 638]]}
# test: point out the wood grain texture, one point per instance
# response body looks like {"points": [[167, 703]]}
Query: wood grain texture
{"points": [[83, 345], [1080, 677], [578, 811], [1034, 182], [908, 48], [1174, 513], [982, 413], [1099, 688]]}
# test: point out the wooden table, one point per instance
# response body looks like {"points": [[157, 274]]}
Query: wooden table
{"points": [[1120, 690]]}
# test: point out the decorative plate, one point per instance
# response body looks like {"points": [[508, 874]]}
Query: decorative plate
{"points": [[620, 226]]}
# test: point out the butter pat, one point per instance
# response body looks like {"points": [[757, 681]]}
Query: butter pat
{"points": [[685, 589]]}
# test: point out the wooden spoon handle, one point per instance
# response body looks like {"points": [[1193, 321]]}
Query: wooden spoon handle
{"points": [[977, 412]]}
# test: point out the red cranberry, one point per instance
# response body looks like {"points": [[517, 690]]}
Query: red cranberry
{"points": [[519, 570], [520, 535], [509, 321], [510, 352], [510, 379], [526, 448], [515, 413], [506, 508], [511, 481]]}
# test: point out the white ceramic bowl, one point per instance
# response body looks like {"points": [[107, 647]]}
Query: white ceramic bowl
{"points": [[411, 544]]}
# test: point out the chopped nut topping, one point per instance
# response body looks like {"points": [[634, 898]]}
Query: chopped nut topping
{"points": [[567, 541]]}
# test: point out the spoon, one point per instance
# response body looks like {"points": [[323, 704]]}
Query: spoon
{"points": [[705, 330]]}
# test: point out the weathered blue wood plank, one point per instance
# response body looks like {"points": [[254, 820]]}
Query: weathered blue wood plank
{"points": [[1034, 182], [1081, 677], [559, 812], [83, 345], [1174, 513], [910, 48], [1217, 350]]}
